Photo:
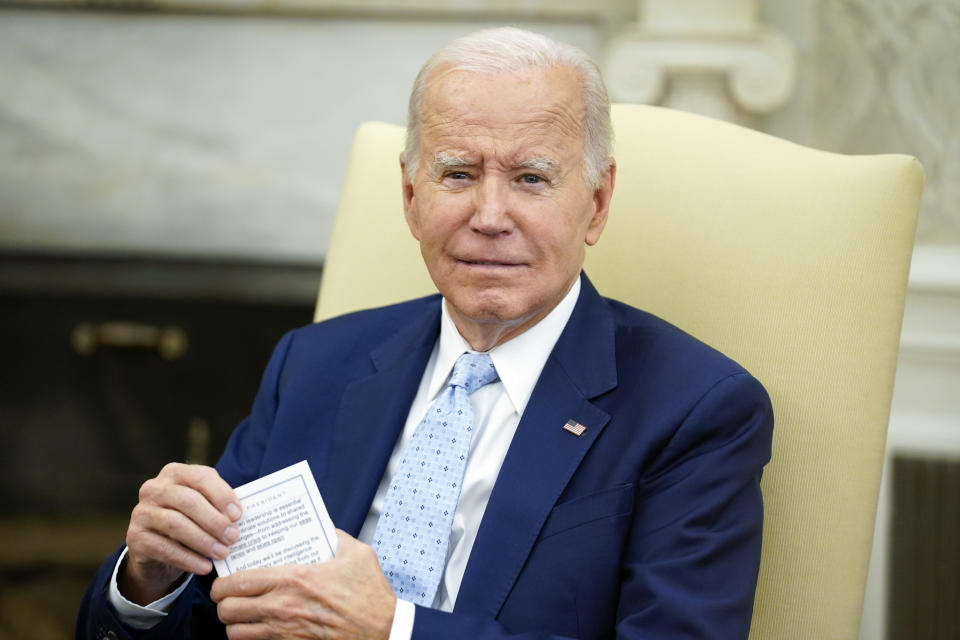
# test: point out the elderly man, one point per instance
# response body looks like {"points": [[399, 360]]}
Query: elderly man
{"points": [[597, 472]]}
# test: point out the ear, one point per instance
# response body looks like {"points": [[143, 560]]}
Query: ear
{"points": [[601, 203], [409, 206]]}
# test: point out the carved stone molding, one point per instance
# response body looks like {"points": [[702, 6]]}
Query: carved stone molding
{"points": [[758, 66], [597, 10], [714, 59], [888, 79]]}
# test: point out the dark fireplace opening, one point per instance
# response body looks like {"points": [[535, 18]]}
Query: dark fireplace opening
{"points": [[924, 580], [113, 367]]}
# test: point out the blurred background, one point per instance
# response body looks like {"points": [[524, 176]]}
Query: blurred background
{"points": [[169, 173]]}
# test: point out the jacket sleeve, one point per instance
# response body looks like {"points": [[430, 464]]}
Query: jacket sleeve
{"points": [[193, 615]]}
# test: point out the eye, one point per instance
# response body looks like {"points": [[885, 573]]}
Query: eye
{"points": [[531, 178], [457, 175]]}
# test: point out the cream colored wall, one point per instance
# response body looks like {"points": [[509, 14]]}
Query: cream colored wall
{"points": [[220, 135]]}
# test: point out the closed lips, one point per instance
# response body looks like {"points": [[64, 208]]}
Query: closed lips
{"points": [[496, 263]]}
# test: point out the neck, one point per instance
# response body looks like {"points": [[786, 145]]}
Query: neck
{"points": [[485, 334]]}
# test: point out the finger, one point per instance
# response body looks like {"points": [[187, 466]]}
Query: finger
{"points": [[167, 494], [146, 545], [248, 583], [208, 483], [175, 525], [262, 608], [249, 631], [233, 611], [287, 613], [173, 498]]}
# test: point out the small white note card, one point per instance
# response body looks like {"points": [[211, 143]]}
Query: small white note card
{"points": [[284, 522]]}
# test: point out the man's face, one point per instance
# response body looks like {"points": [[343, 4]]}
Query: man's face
{"points": [[499, 202]]}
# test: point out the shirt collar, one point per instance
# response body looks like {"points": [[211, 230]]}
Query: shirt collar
{"points": [[519, 360]]}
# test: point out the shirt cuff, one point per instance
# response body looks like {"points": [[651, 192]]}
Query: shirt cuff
{"points": [[137, 617], [402, 628]]}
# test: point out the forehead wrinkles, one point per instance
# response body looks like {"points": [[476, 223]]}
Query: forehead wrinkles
{"points": [[534, 130], [538, 108]]}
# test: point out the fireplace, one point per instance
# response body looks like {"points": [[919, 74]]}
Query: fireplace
{"points": [[113, 366], [925, 549]]}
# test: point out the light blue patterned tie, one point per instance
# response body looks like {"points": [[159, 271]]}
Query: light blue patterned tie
{"points": [[414, 528]]}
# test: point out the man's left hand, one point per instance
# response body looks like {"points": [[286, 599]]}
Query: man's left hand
{"points": [[347, 597]]}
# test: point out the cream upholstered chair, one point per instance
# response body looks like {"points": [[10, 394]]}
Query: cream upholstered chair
{"points": [[792, 261]]}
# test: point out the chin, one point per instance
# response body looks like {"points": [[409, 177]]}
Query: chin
{"points": [[482, 306], [498, 312]]}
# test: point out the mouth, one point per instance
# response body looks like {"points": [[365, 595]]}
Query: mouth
{"points": [[489, 261], [492, 263]]}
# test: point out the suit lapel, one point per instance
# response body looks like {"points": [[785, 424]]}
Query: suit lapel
{"points": [[542, 456], [371, 416]]}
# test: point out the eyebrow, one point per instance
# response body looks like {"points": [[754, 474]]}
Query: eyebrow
{"points": [[544, 164], [444, 160]]}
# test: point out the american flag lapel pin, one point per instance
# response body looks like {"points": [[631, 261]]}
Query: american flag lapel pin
{"points": [[574, 427]]}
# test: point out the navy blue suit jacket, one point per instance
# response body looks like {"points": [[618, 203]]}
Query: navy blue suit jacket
{"points": [[646, 526]]}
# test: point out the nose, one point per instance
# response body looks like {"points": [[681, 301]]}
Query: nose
{"points": [[491, 211]]}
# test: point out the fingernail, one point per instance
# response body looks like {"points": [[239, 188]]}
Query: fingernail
{"points": [[233, 511], [230, 534], [219, 551]]}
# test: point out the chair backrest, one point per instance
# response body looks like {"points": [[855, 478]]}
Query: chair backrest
{"points": [[792, 261]]}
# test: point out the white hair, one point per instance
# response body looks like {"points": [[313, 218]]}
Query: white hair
{"points": [[508, 50]]}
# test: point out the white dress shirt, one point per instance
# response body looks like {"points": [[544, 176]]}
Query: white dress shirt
{"points": [[497, 408]]}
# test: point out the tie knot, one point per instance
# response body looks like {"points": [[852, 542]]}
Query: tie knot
{"points": [[472, 371]]}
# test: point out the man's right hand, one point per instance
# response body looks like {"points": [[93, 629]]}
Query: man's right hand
{"points": [[185, 516]]}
